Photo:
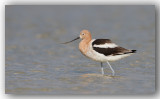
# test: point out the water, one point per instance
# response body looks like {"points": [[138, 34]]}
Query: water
{"points": [[36, 62]]}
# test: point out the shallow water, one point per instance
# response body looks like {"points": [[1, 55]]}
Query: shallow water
{"points": [[36, 62]]}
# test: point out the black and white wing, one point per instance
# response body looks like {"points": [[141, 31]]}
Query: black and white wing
{"points": [[106, 47]]}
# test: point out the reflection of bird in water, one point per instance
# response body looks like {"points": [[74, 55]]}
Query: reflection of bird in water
{"points": [[101, 50]]}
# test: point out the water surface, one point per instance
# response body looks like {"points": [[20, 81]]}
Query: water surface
{"points": [[36, 62]]}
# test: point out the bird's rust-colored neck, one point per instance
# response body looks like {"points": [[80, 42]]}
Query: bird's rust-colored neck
{"points": [[86, 37], [84, 45]]}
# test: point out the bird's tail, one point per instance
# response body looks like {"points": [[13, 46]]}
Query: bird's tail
{"points": [[133, 51]]}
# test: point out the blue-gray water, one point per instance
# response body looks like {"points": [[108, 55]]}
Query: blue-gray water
{"points": [[36, 62]]}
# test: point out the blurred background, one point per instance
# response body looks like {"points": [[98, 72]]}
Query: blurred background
{"points": [[36, 62]]}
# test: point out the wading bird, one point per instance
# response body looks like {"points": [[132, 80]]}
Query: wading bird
{"points": [[101, 50]]}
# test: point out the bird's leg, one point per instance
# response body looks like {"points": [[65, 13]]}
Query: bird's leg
{"points": [[102, 68], [111, 69]]}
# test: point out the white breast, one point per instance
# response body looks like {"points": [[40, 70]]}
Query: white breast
{"points": [[94, 55]]}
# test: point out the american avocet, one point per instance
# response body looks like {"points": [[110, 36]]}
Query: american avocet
{"points": [[101, 50]]}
